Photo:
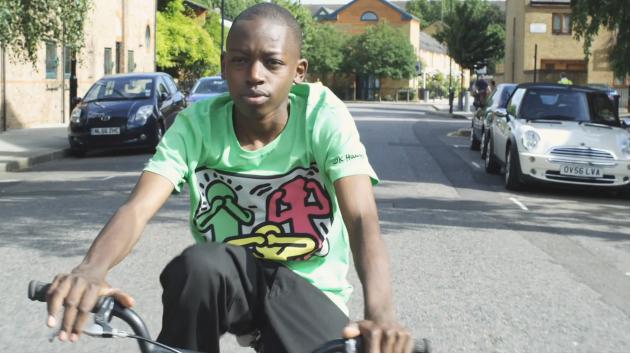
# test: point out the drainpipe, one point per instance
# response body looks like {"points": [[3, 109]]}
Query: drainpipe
{"points": [[123, 58], [3, 70], [155, 37]]}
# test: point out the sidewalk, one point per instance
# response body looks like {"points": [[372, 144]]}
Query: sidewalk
{"points": [[22, 148]]}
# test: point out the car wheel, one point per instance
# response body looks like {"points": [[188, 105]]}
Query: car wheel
{"points": [[474, 143], [484, 144], [490, 162], [512, 175]]}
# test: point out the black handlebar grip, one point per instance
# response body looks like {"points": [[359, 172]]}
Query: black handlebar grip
{"points": [[37, 290]]}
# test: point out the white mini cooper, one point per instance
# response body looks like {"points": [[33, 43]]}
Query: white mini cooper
{"points": [[561, 134]]}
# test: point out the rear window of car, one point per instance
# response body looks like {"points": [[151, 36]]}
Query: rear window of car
{"points": [[120, 88], [550, 104], [211, 86]]}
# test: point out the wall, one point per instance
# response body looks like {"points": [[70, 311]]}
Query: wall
{"points": [[33, 100]]}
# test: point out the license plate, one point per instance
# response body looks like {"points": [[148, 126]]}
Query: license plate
{"points": [[581, 171], [105, 131]]}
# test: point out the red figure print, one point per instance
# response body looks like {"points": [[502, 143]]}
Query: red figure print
{"points": [[290, 202]]}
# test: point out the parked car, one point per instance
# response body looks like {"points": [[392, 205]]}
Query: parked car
{"points": [[207, 87], [560, 134], [124, 110], [485, 114]]}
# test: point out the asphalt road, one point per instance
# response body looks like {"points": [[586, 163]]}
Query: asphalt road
{"points": [[475, 268]]}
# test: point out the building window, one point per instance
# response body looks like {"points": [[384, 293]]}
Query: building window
{"points": [[51, 60], [107, 61], [369, 16], [561, 24], [147, 37], [131, 65], [67, 58]]}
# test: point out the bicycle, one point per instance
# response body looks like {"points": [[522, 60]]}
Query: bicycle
{"points": [[107, 307]]}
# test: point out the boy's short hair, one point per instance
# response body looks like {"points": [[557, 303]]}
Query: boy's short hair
{"points": [[273, 12]]}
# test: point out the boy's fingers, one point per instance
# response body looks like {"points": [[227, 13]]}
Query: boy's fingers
{"points": [[351, 330], [122, 297], [55, 297]]}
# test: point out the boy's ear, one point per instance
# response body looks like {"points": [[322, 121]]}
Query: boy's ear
{"points": [[301, 71]]}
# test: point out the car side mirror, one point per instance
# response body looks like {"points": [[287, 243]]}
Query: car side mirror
{"points": [[501, 113], [625, 122], [76, 101], [164, 96]]}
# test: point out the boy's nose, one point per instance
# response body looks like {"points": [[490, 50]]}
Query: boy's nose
{"points": [[255, 74]]}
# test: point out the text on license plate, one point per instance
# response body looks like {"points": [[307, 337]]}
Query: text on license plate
{"points": [[105, 131], [581, 171]]}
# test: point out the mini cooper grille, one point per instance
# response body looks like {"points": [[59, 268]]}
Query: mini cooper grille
{"points": [[584, 152]]}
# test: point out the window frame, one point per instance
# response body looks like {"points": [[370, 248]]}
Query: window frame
{"points": [[563, 28], [51, 60], [369, 13]]}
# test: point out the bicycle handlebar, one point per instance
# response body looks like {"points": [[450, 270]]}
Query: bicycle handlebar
{"points": [[108, 307]]}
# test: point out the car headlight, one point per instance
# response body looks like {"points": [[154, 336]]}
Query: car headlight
{"points": [[530, 139], [624, 146], [142, 114], [75, 116]]}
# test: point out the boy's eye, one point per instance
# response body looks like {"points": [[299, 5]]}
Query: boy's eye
{"points": [[274, 62], [238, 60]]}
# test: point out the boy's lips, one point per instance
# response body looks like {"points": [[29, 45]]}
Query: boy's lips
{"points": [[255, 97]]}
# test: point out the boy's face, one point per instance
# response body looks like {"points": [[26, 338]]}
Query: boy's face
{"points": [[260, 65]]}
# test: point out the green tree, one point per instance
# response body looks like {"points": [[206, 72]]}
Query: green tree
{"points": [[325, 52], [25, 24], [427, 11], [587, 18], [470, 36], [382, 51], [232, 8], [184, 48]]}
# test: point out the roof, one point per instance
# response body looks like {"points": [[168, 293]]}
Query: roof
{"points": [[195, 5], [404, 14], [430, 44], [559, 86]]}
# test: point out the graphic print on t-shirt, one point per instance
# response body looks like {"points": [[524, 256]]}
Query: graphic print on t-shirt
{"points": [[278, 217]]}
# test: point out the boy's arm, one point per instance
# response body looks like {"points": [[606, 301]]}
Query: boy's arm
{"points": [[78, 291], [380, 329]]}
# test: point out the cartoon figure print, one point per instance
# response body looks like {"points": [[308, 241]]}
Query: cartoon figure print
{"points": [[280, 217]]}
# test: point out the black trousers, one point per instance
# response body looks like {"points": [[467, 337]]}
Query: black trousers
{"points": [[214, 288]]}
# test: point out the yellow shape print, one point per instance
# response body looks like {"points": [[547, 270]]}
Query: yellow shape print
{"points": [[269, 243]]}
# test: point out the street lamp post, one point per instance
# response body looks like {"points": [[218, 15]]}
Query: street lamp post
{"points": [[222, 4]]}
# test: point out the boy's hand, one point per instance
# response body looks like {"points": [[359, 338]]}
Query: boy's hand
{"points": [[380, 337], [78, 293]]}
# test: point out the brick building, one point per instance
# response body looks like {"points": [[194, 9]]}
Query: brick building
{"points": [[546, 26], [119, 38]]}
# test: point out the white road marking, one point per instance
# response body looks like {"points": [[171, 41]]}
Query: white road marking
{"points": [[475, 164], [519, 204], [627, 273], [10, 180], [106, 178], [460, 146]]}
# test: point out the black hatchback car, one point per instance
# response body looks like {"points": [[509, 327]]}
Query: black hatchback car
{"points": [[124, 110]]}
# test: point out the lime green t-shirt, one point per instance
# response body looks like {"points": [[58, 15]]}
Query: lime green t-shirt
{"points": [[278, 201]]}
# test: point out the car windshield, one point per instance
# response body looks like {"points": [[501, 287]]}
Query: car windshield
{"points": [[550, 104], [603, 110], [120, 89], [504, 95], [206, 86]]}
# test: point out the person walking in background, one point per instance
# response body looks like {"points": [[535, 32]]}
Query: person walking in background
{"points": [[564, 80]]}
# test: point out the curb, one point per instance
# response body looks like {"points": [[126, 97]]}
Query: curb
{"points": [[16, 164]]}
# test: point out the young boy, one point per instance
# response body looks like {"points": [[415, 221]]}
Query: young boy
{"points": [[280, 186]]}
